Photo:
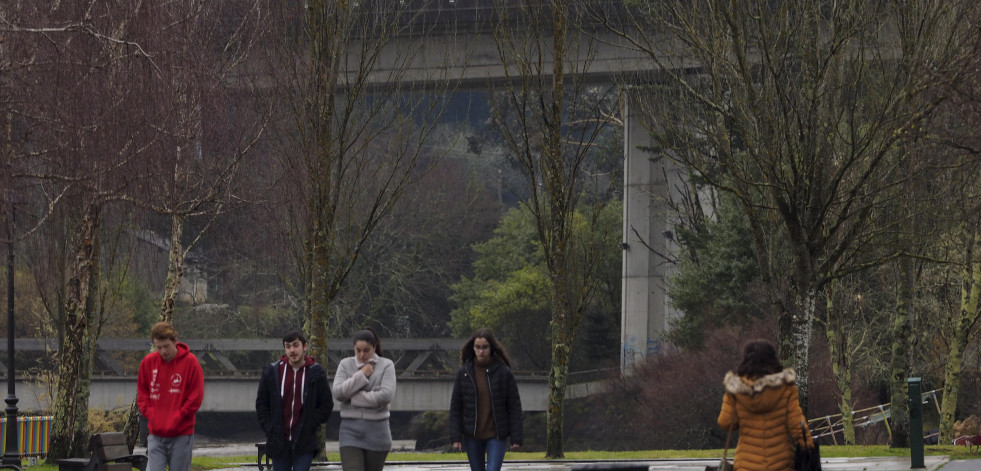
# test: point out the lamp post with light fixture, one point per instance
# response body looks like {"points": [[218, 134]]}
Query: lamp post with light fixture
{"points": [[11, 453]]}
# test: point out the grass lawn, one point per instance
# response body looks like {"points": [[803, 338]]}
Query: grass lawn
{"points": [[204, 463]]}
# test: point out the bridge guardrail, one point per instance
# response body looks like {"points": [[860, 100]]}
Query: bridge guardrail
{"points": [[419, 357]]}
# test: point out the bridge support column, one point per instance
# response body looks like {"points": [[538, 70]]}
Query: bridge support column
{"points": [[649, 248]]}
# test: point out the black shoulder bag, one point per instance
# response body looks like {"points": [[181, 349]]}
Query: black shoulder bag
{"points": [[806, 458], [724, 464]]}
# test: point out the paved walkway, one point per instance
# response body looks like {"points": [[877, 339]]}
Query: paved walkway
{"points": [[932, 463]]}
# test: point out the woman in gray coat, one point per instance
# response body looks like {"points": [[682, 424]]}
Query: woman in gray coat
{"points": [[364, 387]]}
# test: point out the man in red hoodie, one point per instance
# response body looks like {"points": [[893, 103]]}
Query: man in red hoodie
{"points": [[169, 391]]}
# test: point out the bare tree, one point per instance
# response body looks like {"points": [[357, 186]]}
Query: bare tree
{"points": [[353, 124], [549, 118], [118, 107], [796, 108], [200, 109], [82, 81], [952, 141], [203, 108]]}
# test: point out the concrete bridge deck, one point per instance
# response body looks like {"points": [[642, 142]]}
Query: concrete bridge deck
{"points": [[237, 394]]}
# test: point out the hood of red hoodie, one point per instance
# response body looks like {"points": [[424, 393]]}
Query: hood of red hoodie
{"points": [[182, 350]]}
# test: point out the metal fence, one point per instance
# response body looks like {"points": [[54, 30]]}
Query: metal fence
{"points": [[33, 435]]}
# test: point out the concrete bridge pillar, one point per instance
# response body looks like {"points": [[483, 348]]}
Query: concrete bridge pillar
{"points": [[649, 247]]}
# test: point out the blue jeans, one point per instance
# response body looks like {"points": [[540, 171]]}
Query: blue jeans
{"points": [[493, 448], [290, 461]]}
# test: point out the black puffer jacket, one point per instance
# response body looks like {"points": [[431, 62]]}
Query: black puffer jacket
{"points": [[505, 402], [317, 406]]}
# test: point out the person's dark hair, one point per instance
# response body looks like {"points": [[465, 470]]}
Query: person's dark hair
{"points": [[294, 335], [497, 350], [369, 335], [759, 359]]}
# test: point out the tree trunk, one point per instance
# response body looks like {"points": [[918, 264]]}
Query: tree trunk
{"points": [[899, 358], [69, 431], [560, 206], [795, 334], [131, 429], [175, 269], [561, 348], [175, 273], [320, 296], [319, 301], [838, 344], [970, 293]]}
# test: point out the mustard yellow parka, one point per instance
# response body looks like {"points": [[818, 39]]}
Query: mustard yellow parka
{"points": [[766, 412]]}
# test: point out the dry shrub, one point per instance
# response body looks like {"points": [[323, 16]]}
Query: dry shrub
{"points": [[969, 426], [678, 395], [101, 420], [672, 401]]}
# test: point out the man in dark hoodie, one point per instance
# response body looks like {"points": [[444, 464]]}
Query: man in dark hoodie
{"points": [[169, 391], [293, 400]]}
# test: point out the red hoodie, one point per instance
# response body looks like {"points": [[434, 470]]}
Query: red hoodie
{"points": [[170, 393]]}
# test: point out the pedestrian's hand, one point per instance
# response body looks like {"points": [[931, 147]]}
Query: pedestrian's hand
{"points": [[515, 447], [457, 446], [368, 369]]}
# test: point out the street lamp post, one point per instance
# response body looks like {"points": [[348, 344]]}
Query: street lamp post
{"points": [[11, 454]]}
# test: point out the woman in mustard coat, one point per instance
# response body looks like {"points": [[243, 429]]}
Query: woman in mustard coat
{"points": [[761, 403]]}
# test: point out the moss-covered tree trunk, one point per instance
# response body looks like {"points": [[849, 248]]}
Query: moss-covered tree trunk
{"points": [[562, 337], [899, 357], [964, 324], [69, 430], [838, 345], [555, 232]]}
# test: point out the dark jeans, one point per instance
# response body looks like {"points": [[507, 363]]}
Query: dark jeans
{"points": [[290, 461], [492, 448]]}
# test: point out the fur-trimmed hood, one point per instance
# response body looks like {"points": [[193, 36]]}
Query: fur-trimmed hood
{"points": [[766, 412], [736, 384]]}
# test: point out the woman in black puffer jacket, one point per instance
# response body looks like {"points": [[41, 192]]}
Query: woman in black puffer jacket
{"points": [[485, 409]]}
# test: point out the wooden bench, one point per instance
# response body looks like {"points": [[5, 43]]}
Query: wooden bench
{"points": [[261, 452], [260, 449], [108, 453], [616, 466]]}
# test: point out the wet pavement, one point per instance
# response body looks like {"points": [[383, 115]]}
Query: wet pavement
{"points": [[932, 463]]}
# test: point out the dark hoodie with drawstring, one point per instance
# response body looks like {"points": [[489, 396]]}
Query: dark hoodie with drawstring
{"points": [[290, 405]]}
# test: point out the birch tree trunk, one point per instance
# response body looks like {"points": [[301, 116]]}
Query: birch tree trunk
{"points": [[175, 272], [69, 431], [175, 269], [796, 327]]}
